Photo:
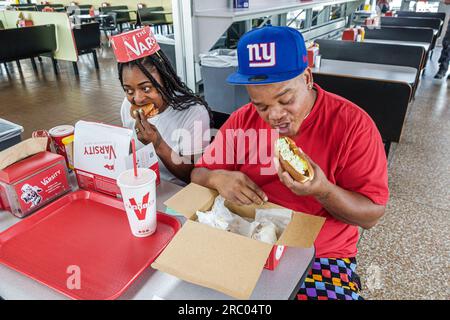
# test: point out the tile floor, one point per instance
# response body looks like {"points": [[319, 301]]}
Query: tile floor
{"points": [[406, 256]]}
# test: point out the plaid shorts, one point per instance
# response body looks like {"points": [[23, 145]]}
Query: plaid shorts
{"points": [[331, 279]]}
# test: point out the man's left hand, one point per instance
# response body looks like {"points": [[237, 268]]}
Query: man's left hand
{"points": [[317, 187]]}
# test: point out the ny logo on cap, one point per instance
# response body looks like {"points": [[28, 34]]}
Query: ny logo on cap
{"points": [[261, 54]]}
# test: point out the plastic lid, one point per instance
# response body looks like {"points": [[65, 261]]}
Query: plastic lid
{"points": [[60, 131], [128, 180]]}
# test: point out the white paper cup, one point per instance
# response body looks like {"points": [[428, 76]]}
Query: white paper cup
{"points": [[139, 198], [318, 61]]}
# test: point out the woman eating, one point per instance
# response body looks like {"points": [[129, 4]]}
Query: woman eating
{"points": [[160, 108]]}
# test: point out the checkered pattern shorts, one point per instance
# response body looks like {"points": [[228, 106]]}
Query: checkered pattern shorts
{"points": [[331, 279]]}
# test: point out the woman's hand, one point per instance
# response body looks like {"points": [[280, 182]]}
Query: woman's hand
{"points": [[145, 131], [236, 187]]}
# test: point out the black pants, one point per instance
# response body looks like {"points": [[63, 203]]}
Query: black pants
{"points": [[445, 54]]}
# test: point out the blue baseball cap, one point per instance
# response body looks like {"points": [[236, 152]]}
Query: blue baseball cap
{"points": [[270, 54]]}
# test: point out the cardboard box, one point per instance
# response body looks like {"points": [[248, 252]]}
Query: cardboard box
{"points": [[31, 183], [102, 152], [350, 34], [313, 52], [221, 260]]}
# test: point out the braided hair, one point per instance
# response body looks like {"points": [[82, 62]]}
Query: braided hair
{"points": [[173, 91]]}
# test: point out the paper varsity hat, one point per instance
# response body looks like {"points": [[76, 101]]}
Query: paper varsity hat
{"points": [[270, 54], [134, 44]]}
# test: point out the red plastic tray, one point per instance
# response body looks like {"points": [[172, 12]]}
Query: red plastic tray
{"points": [[86, 230]]}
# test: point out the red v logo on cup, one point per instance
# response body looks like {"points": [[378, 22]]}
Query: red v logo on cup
{"points": [[140, 210]]}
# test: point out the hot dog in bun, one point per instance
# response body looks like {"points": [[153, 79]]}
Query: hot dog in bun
{"points": [[293, 160], [148, 110]]}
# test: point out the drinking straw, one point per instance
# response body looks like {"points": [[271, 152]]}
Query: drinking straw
{"points": [[133, 148]]}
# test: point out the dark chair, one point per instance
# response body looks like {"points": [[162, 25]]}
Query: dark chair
{"points": [[121, 18], [386, 102], [26, 8], [380, 53], [433, 23], [403, 34], [85, 6], [87, 39], [109, 23], [146, 16], [39, 7], [28, 43], [56, 7], [411, 14], [77, 10], [219, 118]]}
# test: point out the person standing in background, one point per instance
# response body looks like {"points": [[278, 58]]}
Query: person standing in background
{"points": [[383, 5], [444, 59]]}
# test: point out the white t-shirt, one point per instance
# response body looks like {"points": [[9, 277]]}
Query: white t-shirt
{"points": [[185, 131]]}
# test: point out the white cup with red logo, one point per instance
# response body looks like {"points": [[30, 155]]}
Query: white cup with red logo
{"points": [[139, 199]]}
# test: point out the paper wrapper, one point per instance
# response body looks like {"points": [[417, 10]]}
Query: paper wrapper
{"points": [[267, 227], [21, 151]]}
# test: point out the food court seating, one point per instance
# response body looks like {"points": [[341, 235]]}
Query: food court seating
{"points": [[56, 7], [433, 23], [77, 10], [403, 34], [87, 39], [412, 14], [146, 16], [30, 42], [26, 8], [122, 17], [385, 102], [109, 23], [399, 55]]}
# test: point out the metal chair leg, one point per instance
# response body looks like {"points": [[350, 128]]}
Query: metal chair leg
{"points": [[33, 63], [55, 65], [75, 68], [94, 54]]}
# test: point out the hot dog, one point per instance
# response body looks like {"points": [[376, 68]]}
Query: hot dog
{"points": [[293, 160], [148, 110]]}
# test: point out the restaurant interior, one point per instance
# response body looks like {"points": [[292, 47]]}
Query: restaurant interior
{"points": [[57, 67]]}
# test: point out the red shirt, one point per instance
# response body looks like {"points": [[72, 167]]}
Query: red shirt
{"points": [[337, 135]]}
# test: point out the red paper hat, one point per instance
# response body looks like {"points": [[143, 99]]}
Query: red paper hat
{"points": [[134, 44]]}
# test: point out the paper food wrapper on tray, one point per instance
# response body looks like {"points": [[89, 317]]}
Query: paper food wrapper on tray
{"points": [[21, 151], [267, 227], [102, 152]]}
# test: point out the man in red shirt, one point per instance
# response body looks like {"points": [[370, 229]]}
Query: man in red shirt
{"points": [[349, 187]]}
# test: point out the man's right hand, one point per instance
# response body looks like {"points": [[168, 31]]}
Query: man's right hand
{"points": [[236, 187]]}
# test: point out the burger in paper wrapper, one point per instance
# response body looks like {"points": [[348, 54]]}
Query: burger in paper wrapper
{"points": [[148, 110]]}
